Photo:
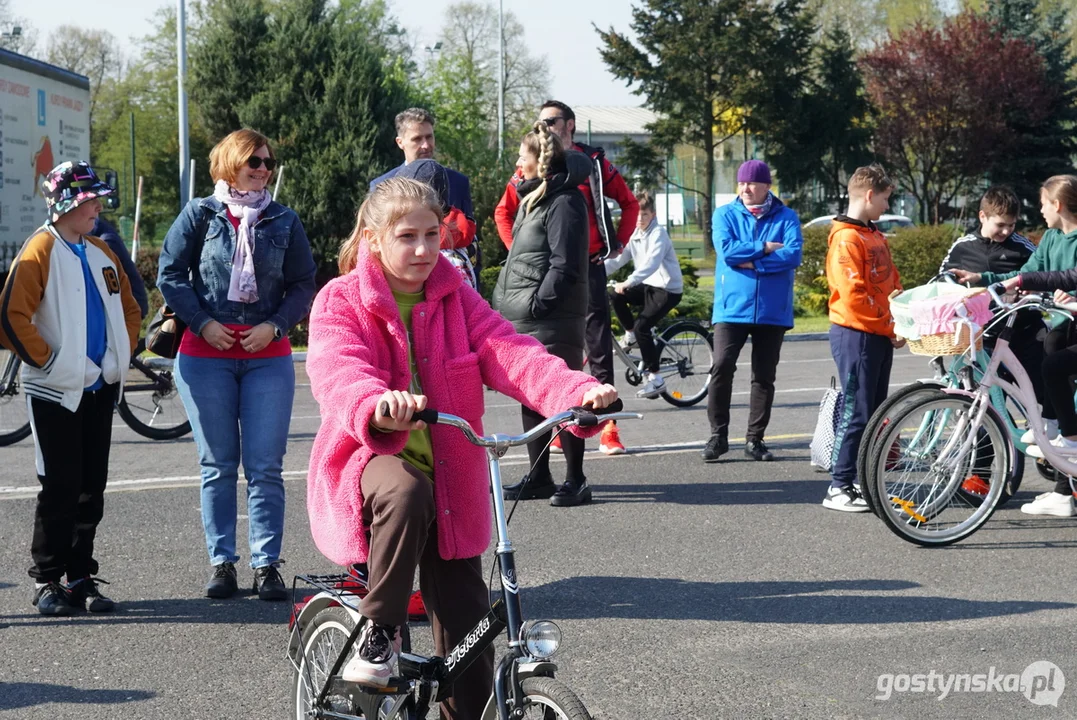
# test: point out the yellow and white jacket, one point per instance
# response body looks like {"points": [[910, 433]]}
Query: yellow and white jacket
{"points": [[43, 317]]}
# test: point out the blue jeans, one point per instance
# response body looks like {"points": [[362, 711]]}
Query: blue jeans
{"points": [[224, 400]]}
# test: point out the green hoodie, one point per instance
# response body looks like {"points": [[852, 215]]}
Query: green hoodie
{"points": [[1055, 252]]}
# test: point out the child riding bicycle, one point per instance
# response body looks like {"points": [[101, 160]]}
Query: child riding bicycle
{"points": [[656, 285], [397, 330]]}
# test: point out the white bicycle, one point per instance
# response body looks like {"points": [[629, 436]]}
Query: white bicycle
{"points": [[940, 466]]}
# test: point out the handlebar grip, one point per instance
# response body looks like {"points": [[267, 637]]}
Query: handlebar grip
{"points": [[587, 416], [428, 415]]}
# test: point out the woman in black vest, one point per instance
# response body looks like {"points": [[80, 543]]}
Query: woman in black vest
{"points": [[542, 290]]}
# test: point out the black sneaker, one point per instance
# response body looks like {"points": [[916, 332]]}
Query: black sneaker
{"points": [[269, 584], [757, 450], [539, 489], [571, 494], [222, 583], [716, 447], [51, 599], [85, 593]]}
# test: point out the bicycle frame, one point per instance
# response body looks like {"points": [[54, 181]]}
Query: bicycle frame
{"points": [[1021, 391], [430, 679]]}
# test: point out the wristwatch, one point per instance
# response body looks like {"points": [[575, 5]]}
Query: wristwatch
{"points": [[277, 334]]}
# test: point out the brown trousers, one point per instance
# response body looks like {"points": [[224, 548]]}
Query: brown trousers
{"points": [[398, 508]]}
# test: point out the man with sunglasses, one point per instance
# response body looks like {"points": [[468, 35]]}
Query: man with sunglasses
{"points": [[606, 241], [415, 137]]}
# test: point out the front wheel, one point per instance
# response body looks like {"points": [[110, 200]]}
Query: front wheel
{"points": [[546, 698], [948, 473], [684, 363]]}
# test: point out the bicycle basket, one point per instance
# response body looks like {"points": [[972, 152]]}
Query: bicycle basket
{"points": [[941, 319]]}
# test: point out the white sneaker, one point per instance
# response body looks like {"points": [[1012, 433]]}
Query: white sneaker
{"points": [[845, 499], [1051, 504], [629, 338], [1059, 442], [1051, 427], [372, 663], [653, 388]]}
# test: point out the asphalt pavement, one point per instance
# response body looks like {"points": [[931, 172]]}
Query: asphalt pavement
{"points": [[684, 591]]}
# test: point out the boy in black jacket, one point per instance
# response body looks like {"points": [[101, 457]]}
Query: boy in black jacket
{"points": [[996, 248]]}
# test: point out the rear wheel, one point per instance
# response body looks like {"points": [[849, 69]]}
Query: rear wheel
{"points": [[151, 405], [14, 415], [685, 363], [323, 638]]}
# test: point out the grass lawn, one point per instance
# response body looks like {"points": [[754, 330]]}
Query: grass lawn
{"points": [[812, 324]]}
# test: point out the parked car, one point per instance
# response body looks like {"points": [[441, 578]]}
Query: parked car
{"points": [[888, 224]]}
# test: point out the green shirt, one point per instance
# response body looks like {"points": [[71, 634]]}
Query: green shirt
{"points": [[419, 451], [1055, 252]]}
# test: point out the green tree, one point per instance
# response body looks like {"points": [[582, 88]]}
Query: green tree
{"points": [[711, 70], [93, 53], [146, 89], [460, 88], [1048, 146], [321, 82], [25, 41], [825, 133]]}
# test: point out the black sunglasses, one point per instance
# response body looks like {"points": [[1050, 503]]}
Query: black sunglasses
{"points": [[254, 162], [551, 121]]}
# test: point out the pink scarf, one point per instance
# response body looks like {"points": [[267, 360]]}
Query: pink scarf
{"points": [[247, 206]]}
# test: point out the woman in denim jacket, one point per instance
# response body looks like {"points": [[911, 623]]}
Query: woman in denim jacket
{"points": [[237, 268]]}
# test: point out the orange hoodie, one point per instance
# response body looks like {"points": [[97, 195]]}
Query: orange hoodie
{"points": [[861, 276]]}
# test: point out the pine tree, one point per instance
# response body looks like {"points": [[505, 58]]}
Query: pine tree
{"points": [[1047, 147]]}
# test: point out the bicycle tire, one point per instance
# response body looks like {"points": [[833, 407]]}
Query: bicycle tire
{"points": [[872, 430], [323, 638], [914, 509], [142, 403], [13, 407], [551, 697], [683, 355]]}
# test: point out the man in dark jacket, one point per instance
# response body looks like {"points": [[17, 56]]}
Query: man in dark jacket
{"points": [[603, 182], [415, 137], [104, 229]]}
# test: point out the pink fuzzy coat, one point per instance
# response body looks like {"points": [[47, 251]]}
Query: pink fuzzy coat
{"points": [[358, 349]]}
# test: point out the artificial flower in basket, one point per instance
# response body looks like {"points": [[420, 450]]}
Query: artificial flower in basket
{"points": [[940, 318]]}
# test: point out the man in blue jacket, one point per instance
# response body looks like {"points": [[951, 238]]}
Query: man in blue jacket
{"points": [[758, 244]]}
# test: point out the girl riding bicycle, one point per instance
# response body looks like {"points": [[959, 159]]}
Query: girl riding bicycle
{"points": [[397, 330]]}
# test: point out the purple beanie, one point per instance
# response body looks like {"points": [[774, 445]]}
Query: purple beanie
{"points": [[754, 171]]}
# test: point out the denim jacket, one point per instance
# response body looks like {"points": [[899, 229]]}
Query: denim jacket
{"points": [[283, 267]]}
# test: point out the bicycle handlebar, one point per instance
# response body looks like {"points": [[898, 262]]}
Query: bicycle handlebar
{"points": [[580, 416]]}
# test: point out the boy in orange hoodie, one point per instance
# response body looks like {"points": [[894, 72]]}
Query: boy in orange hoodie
{"points": [[861, 276]]}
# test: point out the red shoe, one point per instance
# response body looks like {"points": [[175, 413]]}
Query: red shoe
{"points": [[975, 485], [609, 442], [555, 446], [416, 608]]}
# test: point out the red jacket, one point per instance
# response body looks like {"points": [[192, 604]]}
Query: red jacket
{"points": [[613, 185]]}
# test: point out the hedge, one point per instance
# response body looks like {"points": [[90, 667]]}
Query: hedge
{"points": [[917, 251]]}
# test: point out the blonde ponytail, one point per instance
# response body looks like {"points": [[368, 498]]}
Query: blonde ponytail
{"points": [[546, 147]]}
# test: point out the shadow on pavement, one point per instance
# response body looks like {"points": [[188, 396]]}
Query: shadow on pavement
{"points": [[719, 492], [794, 602], [23, 695], [243, 609]]}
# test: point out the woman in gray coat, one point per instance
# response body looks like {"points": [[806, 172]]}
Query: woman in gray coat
{"points": [[542, 290]]}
